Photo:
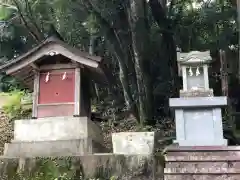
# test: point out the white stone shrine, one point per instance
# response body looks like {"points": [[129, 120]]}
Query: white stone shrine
{"points": [[197, 112]]}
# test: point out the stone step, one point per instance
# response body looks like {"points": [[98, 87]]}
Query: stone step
{"points": [[203, 153], [202, 170], [211, 158], [215, 153], [204, 165], [203, 177], [53, 148], [199, 149]]}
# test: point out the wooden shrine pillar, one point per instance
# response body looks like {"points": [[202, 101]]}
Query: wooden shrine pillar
{"points": [[35, 94], [77, 97]]}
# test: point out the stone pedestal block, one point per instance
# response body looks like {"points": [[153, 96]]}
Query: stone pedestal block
{"points": [[199, 121], [197, 93], [55, 136], [202, 163], [56, 128], [133, 142], [74, 147]]}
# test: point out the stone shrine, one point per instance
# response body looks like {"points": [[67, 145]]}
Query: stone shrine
{"points": [[59, 76], [198, 115]]}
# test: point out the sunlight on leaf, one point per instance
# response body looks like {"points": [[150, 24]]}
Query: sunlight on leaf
{"points": [[5, 13]]}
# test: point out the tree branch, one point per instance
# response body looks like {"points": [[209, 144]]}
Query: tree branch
{"points": [[35, 36], [158, 12], [30, 16]]}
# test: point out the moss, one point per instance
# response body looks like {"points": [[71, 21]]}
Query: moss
{"points": [[105, 167]]}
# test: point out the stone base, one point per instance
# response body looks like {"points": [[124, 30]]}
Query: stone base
{"points": [[220, 142], [202, 163], [134, 142], [197, 93], [56, 128], [53, 148], [199, 120]]}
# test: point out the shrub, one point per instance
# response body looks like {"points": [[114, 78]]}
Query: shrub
{"points": [[14, 108]]}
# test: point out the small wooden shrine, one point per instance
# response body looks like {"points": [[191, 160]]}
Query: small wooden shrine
{"points": [[59, 76]]}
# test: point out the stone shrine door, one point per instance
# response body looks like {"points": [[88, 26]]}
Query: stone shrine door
{"points": [[194, 121], [195, 80]]}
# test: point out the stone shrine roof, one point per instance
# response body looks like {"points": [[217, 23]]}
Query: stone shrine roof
{"points": [[195, 57]]}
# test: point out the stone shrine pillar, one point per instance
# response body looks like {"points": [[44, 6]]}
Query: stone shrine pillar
{"points": [[197, 112], [202, 152]]}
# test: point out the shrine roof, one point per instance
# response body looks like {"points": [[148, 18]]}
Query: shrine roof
{"points": [[53, 44], [49, 47], [195, 57]]}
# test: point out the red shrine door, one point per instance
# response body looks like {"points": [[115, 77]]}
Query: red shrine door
{"points": [[56, 93]]}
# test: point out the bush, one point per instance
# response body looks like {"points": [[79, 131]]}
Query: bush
{"points": [[14, 108]]}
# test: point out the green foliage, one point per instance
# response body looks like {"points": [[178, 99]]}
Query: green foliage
{"points": [[14, 108], [91, 24], [210, 26], [51, 169], [5, 13]]}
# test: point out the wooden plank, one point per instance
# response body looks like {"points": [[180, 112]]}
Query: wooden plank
{"points": [[58, 66], [34, 66], [77, 100], [28, 77], [35, 94], [55, 104], [22, 72]]}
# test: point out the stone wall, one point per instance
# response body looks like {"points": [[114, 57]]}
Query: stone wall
{"points": [[103, 166], [202, 163]]}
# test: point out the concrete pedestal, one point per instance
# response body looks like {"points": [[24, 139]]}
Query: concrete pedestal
{"points": [[202, 163], [55, 136], [199, 121], [56, 128], [73, 147]]}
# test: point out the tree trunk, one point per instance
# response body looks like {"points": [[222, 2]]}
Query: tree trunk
{"points": [[171, 56], [167, 26], [140, 44], [117, 50], [238, 10], [224, 73], [91, 52]]}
